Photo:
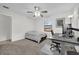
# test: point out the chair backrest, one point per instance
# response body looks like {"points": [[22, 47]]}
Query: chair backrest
{"points": [[52, 32]]}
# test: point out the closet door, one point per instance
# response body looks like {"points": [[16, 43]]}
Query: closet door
{"points": [[5, 27]]}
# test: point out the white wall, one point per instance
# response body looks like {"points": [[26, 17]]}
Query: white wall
{"points": [[20, 24], [75, 21], [52, 19]]}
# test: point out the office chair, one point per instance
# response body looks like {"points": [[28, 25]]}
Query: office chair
{"points": [[55, 44]]}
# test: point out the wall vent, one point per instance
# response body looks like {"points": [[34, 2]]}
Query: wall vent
{"points": [[5, 7]]}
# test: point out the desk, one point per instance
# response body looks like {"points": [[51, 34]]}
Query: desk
{"points": [[64, 40]]}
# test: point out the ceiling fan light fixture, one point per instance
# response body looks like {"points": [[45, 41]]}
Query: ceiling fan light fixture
{"points": [[37, 13]]}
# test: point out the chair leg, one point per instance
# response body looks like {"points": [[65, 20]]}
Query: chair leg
{"points": [[58, 50]]}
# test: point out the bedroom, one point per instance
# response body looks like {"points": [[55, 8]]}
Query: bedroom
{"points": [[24, 24]]}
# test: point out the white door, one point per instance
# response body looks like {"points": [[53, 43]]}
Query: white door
{"points": [[5, 27]]}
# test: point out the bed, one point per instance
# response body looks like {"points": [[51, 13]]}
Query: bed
{"points": [[35, 36]]}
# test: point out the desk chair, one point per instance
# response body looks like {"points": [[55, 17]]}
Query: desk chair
{"points": [[55, 44]]}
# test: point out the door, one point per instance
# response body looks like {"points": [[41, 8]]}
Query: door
{"points": [[5, 27]]}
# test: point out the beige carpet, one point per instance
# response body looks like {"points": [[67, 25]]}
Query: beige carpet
{"points": [[21, 47]]}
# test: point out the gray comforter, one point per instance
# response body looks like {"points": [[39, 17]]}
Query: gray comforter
{"points": [[35, 35]]}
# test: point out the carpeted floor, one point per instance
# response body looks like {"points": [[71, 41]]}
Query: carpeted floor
{"points": [[24, 47], [21, 47]]}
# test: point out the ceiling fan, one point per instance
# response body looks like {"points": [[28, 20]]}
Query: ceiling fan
{"points": [[37, 11]]}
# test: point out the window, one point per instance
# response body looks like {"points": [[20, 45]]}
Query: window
{"points": [[47, 28], [59, 22], [47, 25]]}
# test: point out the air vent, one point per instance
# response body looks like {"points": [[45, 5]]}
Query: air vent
{"points": [[5, 7]]}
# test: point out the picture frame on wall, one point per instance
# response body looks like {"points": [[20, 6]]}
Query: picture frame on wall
{"points": [[47, 28], [47, 25], [59, 22]]}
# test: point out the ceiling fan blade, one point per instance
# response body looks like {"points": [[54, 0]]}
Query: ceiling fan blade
{"points": [[33, 15], [41, 15], [29, 12], [44, 11]]}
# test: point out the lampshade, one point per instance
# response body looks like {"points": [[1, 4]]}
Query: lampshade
{"points": [[70, 16]]}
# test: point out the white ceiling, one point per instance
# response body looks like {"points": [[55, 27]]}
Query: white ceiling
{"points": [[52, 8]]}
